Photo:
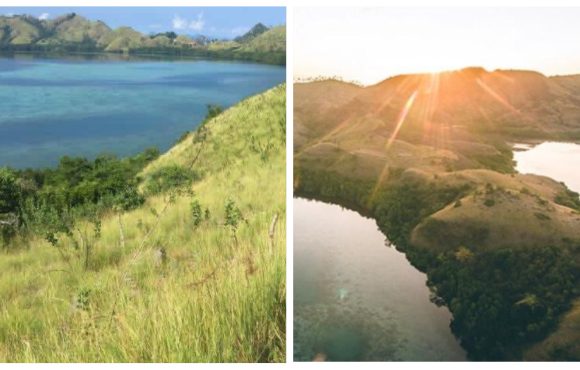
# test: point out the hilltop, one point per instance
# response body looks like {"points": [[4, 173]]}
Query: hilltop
{"points": [[429, 157], [187, 266], [74, 33]]}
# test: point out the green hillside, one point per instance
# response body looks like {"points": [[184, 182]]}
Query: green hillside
{"points": [[185, 265], [74, 33]]}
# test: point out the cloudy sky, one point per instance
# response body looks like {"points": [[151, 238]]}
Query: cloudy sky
{"points": [[369, 45], [221, 22]]}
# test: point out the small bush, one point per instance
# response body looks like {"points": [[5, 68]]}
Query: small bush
{"points": [[170, 177], [196, 212], [489, 202], [525, 191], [233, 215], [568, 198]]}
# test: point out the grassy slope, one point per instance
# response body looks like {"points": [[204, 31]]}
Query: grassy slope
{"points": [[330, 134], [214, 300], [272, 40], [355, 145]]}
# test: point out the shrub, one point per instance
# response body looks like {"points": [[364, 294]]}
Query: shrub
{"points": [[569, 199], [489, 202], [169, 177], [233, 215], [9, 191], [196, 212], [129, 199]]}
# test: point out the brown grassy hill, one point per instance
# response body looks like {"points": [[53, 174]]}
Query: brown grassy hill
{"points": [[450, 106], [518, 211], [444, 139]]}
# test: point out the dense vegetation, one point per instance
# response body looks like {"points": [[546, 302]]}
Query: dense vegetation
{"points": [[73, 33], [42, 200], [171, 258], [502, 300]]}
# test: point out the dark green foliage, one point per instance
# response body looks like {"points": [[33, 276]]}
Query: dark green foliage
{"points": [[333, 187], [213, 110], [196, 212], [504, 299], [170, 35], [568, 198], [9, 191], [128, 199], [50, 200], [233, 215], [170, 177], [402, 206], [82, 299], [10, 197], [257, 30], [489, 202], [48, 220], [77, 182]]}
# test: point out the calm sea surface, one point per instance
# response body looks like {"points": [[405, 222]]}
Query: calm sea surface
{"points": [[84, 107], [358, 299]]}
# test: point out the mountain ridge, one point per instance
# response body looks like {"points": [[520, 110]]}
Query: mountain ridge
{"points": [[73, 32]]}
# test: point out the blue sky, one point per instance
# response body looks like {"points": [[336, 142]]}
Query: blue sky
{"points": [[221, 22]]}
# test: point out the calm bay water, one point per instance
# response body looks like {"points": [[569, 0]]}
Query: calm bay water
{"points": [[55, 107], [356, 298], [560, 161]]}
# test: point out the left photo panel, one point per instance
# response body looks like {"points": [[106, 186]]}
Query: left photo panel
{"points": [[142, 184]]}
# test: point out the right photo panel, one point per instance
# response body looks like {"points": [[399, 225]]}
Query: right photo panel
{"points": [[436, 180]]}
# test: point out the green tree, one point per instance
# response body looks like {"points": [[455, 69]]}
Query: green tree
{"points": [[9, 191]]}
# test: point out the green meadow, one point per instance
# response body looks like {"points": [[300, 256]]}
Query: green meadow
{"points": [[192, 270]]}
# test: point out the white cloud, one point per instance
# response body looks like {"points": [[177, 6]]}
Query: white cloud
{"points": [[198, 23], [238, 31], [182, 24], [43, 16], [179, 23]]}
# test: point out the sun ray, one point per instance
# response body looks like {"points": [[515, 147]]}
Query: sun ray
{"points": [[496, 96], [400, 120]]}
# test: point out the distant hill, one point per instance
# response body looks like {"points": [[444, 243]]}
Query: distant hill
{"points": [[72, 32], [519, 104], [272, 40], [255, 31]]}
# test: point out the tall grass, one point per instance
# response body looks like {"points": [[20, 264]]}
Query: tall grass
{"points": [[215, 298]]}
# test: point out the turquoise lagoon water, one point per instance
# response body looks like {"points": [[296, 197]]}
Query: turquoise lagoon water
{"points": [[83, 107]]}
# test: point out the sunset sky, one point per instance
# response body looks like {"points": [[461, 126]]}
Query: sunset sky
{"points": [[369, 44]]}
